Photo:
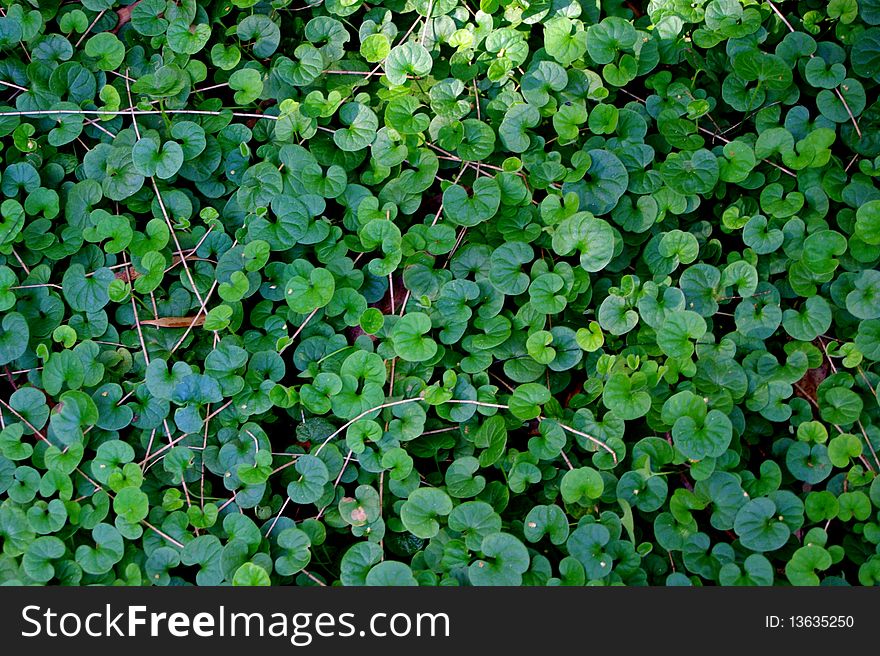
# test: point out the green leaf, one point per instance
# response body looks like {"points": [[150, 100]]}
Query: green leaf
{"points": [[187, 39], [248, 85], [472, 208], [513, 130], [677, 331], [264, 33], [527, 399], [691, 173], [312, 476], [106, 552], [863, 301], [708, 439], [422, 509], [801, 569], [11, 220], [587, 544], [760, 527], [756, 570], [14, 334], [603, 186], [505, 267], [87, 293], [593, 238], [37, 562], [249, 574], [107, 49], [620, 397], [375, 48], [868, 222], [581, 485], [360, 131], [390, 573], [151, 160], [565, 40], [75, 412], [305, 294], [296, 552], [131, 504]]}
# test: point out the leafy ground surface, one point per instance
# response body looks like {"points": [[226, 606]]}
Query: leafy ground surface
{"points": [[439, 292]]}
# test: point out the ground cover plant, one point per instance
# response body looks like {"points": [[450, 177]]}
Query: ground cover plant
{"points": [[439, 292]]}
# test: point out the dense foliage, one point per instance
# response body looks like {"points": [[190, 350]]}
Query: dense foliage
{"points": [[551, 292]]}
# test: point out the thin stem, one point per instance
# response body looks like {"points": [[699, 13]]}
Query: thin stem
{"points": [[192, 323], [592, 439], [848, 111], [299, 330], [781, 16], [304, 324], [361, 73], [25, 371], [149, 447], [164, 536], [440, 209], [868, 442], [336, 483], [95, 124], [136, 112], [437, 431], [137, 323], [211, 88], [25, 421], [391, 377], [165, 209], [287, 464], [45, 284], [481, 404], [567, 461], [227, 502], [405, 299], [21, 261], [391, 292], [123, 75], [202, 477]]}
